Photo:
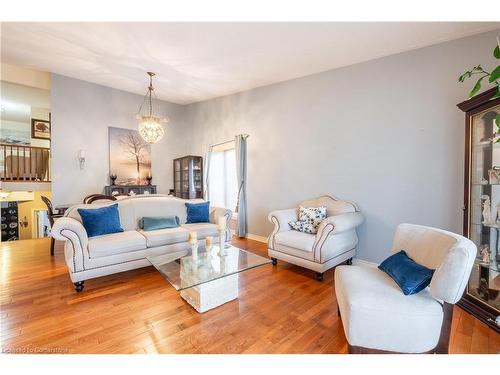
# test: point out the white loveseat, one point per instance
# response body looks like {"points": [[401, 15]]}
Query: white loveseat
{"points": [[92, 257], [334, 243]]}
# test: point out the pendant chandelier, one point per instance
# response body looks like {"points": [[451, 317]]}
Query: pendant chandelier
{"points": [[150, 126]]}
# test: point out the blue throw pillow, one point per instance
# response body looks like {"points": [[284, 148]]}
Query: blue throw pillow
{"points": [[408, 274], [154, 223], [99, 221], [197, 213]]}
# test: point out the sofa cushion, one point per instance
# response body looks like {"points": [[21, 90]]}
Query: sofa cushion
{"points": [[155, 223], [165, 236], [198, 212], [100, 221], [295, 243], [377, 315], [202, 229], [116, 243]]}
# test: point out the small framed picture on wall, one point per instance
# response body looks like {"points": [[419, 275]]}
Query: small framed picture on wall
{"points": [[40, 129]]}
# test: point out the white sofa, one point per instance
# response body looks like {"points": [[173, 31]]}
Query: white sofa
{"points": [[92, 257], [334, 243], [379, 318]]}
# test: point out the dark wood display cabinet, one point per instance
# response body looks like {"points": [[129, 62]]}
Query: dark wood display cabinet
{"points": [[481, 221], [188, 177]]}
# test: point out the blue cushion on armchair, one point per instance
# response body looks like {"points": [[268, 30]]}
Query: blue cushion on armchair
{"points": [[198, 212], [99, 221], [408, 274]]}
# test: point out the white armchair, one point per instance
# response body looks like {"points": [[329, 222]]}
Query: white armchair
{"points": [[379, 318], [334, 243]]}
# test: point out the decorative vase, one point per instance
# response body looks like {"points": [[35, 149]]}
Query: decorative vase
{"points": [[222, 243], [194, 250]]}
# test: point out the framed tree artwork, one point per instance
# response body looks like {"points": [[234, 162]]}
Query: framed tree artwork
{"points": [[129, 157], [40, 129]]}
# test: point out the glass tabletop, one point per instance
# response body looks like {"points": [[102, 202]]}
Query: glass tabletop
{"points": [[184, 271]]}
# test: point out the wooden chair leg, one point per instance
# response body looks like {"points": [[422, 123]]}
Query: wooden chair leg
{"points": [[52, 242], [444, 338]]}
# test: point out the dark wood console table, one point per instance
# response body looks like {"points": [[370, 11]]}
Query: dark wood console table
{"points": [[127, 189]]}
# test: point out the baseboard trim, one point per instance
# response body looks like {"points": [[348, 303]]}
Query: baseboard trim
{"points": [[256, 237], [362, 262]]}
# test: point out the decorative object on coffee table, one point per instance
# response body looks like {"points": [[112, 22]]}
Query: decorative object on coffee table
{"points": [[222, 235], [193, 241], [149, 178]]}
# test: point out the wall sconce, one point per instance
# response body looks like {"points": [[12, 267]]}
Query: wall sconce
{"points": [[24, 222], [81, 158]]}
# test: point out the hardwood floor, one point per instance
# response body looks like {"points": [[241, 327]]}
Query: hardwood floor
{"points": [[281, 309]]}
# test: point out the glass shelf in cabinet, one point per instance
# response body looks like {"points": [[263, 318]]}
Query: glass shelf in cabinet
{"points": [[487, 184], [494, 266], [496, 226], [485, 144]]}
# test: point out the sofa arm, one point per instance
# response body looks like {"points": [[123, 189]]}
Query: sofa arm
{"points": [[69, 229], [339, 223], [217, 212], [280, 219]]}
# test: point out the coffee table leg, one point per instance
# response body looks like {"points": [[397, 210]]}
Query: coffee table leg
{"points": [[212, 294]]}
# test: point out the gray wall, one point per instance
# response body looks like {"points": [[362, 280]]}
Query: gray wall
{"points": [[385, 134], [81, 115]]}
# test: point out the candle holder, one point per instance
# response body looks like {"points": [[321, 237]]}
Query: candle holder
{"points": [[222, 243], [113, 178], [148, 179], [208, 244], [194, 250]]}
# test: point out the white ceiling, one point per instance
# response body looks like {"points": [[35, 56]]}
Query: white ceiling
{"points": [[199, 61]]}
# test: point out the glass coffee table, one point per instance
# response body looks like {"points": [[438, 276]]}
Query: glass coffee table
{"points": [[209, 279]]}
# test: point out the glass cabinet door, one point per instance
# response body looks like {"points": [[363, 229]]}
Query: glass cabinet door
{"points": [[484, 203]]}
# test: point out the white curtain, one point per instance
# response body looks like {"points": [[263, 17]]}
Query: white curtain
{"points": [[206, 172], [241, 174]]}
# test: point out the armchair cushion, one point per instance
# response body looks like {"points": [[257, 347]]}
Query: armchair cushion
{"points": [[309, 219], [375, 314], [410, 276]]}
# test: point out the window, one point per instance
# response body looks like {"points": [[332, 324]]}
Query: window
{"points": [[222, 182]]}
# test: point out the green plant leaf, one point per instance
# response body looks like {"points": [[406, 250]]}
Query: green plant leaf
{"points": [[495, 74], [476, 87], [497, 120], [496, 52]]}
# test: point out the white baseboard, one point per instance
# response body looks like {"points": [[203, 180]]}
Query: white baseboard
{"points": [[256, 237], [362, 262]]}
